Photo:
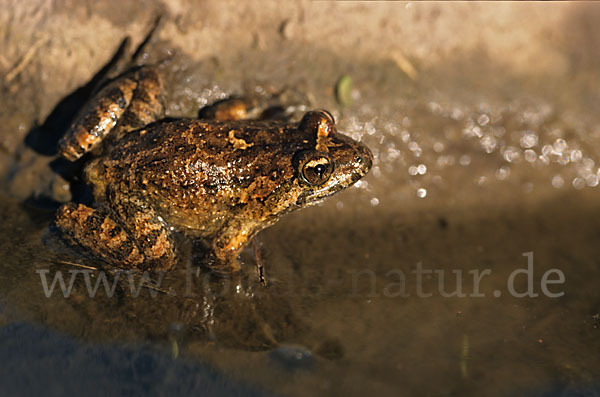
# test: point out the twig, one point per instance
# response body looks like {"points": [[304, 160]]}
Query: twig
{"points": [[3, 62], [76, 264], [154, 29], [24, 62]]}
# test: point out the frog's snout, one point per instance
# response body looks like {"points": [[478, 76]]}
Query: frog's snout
{"points": [[363, 160]]}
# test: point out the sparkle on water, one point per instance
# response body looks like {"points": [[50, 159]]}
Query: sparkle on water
{"points": [[504, 140]]}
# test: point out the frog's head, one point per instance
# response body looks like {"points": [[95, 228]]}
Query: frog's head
{"points": [[333, 161]]}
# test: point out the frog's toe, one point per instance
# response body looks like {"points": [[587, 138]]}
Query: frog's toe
{"points": [[219, 266], [231, 109]]}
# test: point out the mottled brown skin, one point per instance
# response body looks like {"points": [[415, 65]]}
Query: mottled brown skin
{"points": [[127, 103], [220, 180]]}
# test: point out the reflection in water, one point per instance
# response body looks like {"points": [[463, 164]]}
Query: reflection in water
{"points": [[52, 364]]}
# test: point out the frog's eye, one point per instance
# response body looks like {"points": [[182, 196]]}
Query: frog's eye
{"points": [[326, 114], [315, 168]]}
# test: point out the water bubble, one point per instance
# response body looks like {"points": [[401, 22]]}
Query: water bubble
{"points": [[434, 107], [578, 183], [391, 128], [457, 114], [576, 155], [591, 180], [464, 160], [376, 172], [415, 148], [405, 135], [422, 169], [370, 128], [421, 193], [544, 159], [339, 205], [530, 155], [563, 159], [558, 181], [483, 120], [547, 150], [488, 142], [588, 163], [393, 153], [412, 170], [374, 201], [502, 173], [445, 160], [362, 184], [511, 154], [472, 130], [529, 139], [498, 131], [560, 145], [438, 147]]}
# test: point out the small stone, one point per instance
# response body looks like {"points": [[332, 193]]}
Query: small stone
{"points": [[287, 29], [293, 357]]}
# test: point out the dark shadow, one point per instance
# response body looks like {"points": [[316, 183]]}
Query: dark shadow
{"points": [[66, 366], [44, 138]]}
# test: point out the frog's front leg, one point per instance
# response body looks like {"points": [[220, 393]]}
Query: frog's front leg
{"points": [[230, 241], [126, 103]]}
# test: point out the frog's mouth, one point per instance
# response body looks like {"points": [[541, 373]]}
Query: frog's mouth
{"points": [[315, 196]]}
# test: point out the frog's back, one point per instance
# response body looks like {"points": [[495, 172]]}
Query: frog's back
{"points": [[193, 151], [188, 167]]}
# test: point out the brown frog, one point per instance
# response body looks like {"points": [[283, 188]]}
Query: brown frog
{"points": [[220, 179]]}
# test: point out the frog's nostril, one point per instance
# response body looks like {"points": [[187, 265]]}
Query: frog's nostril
{"points": [[364, 158]]}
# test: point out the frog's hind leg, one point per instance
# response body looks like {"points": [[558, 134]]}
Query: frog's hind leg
{"points": [[146, 104], [144, 245], [146, 228], [127, 103], [99, 234]]}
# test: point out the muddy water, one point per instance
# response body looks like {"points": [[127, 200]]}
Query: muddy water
{"points": [[478, 173]]}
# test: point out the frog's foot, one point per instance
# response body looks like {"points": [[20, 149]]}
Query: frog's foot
{"points": [[221, 266], [147, 229], [126, 103], [97, 232], [231, 109]]}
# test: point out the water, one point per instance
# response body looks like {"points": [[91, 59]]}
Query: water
{"points": [[470, 174]]}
